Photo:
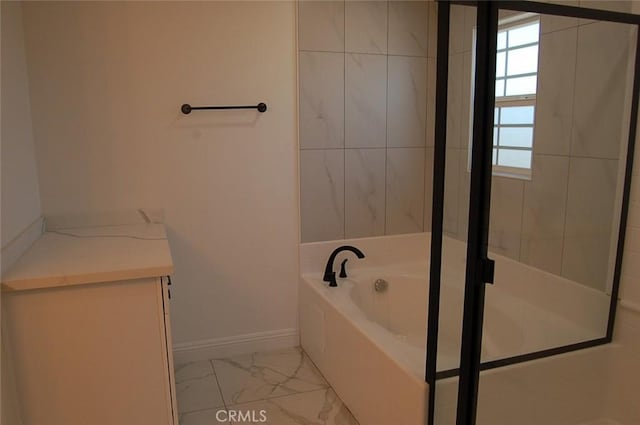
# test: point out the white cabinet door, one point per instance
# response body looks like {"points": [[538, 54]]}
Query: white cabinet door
{"points": [[91, 354]]}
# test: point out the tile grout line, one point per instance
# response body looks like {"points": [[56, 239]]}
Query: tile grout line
{"points": [[380, 147], [463, 149], [524, 193], [344, 124], [566, 197], [224, 402], [386, 130], [365, 53]]}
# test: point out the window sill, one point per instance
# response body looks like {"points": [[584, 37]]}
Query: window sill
{"points": [[525, 175]]}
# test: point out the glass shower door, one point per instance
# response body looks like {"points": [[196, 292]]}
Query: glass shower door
{"points": [[537, 114], [563, 95], [451, 208]]}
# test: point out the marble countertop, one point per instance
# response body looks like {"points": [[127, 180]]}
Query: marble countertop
{"points": [[86, 255]]}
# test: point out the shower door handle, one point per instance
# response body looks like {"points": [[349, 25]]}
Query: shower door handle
{"points": [[487, 270]]}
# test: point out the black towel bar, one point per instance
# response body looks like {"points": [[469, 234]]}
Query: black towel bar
{"points": [[186, 108]]}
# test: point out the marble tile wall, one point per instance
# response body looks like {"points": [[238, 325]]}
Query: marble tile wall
{"points": [[321, 100], [322, 193], [589, 219], [364, 193], [562, 219], [365, 100], [367, 90], [367, 76], [457, 177]]}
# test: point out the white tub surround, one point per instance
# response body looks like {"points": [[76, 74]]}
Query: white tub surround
{"points": [[86, 321], [371, 345], [367, 365], [353, 354]]}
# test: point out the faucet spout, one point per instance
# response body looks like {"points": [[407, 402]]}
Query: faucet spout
{"points": [[329, 274]]}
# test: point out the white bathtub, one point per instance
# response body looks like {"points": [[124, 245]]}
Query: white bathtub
{"points": [[371, 345]]}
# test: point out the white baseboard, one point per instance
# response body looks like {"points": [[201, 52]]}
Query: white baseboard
{"points": [[234, 345]]}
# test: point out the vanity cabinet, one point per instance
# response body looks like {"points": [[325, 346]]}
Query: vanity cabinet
{"points": [[86, 319], [93, 354]]}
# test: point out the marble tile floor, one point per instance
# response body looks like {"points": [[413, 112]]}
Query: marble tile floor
{"points": [[277, 387]]}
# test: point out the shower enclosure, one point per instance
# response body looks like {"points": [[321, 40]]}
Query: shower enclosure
{"points": [[480, 155], [536, 114]]}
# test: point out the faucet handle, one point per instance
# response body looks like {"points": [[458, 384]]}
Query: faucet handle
{"points": [[343, 269], [332, 280]]}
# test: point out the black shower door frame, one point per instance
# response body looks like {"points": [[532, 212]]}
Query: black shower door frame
{"points": [[479, 268]]}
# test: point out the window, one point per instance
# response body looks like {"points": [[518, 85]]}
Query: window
{"points": [[516, 84]]}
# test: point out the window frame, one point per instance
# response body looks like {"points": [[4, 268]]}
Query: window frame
{"points": [[506, 24]]}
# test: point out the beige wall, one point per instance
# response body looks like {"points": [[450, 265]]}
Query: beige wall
{"points": [[20, 198], [107, 81], [20, 204]]}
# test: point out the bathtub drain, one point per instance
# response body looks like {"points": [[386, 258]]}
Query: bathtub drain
{"points": [[380, 285]]}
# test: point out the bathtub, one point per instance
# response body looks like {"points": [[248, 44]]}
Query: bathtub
{"points": [[370, 344]]}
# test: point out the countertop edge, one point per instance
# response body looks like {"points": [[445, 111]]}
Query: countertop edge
{"points": [[50, 282]]}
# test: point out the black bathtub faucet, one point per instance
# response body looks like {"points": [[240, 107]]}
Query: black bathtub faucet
{"points": [[329, 274]]}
